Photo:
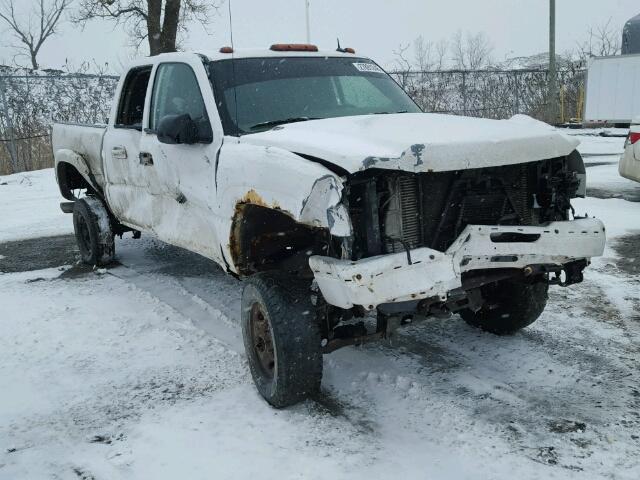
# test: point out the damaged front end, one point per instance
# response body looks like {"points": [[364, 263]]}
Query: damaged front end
{"points": [[273, 231], [428, 241], [407, 243]]}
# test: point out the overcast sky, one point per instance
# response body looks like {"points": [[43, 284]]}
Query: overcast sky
{"points": [[373, 27]]}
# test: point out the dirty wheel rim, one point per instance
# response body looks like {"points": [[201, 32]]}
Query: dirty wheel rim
{"points": [[262, 341], [84, 235]]}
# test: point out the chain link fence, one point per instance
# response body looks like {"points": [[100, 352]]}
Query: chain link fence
{"points": [[494, 93], [30, 103]]}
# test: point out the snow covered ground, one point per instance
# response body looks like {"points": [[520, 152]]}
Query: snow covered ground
{"points": [[30, 206], [138, 371]]}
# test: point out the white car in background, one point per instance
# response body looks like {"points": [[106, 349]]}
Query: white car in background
{"points": [[630, 159]]}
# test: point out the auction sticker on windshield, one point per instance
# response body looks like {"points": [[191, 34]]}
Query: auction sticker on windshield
{"points": [[368, 67]]}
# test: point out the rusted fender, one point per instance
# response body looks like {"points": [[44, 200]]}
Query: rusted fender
{"points": [[278, 179]]}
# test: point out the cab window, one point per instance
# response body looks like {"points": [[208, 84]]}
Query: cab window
{"points": [[176, 92], [131, 105]]}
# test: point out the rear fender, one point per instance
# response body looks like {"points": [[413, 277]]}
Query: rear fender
{"points": [[73, 172]]}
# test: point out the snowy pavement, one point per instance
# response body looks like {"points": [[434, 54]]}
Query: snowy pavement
{"points": [[138, 371]]}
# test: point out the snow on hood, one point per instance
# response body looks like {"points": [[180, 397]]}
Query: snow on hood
{"points": [[419, 142]]}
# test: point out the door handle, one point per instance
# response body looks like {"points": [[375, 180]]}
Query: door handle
{"points": [[146, 159], [119, 152]]}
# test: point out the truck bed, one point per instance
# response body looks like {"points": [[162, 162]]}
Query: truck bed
{"points": [[84, 140]]}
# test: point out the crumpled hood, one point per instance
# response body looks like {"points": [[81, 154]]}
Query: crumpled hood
{"points": [[419, 142]]}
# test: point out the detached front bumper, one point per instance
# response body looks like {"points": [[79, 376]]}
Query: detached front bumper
{"points": [[425, 273]]}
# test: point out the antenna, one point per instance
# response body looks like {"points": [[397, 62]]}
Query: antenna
{"points": [[343, 50], [233, 69]]}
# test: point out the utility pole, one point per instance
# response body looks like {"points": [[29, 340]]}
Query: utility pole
{"points": [[306, 5], [552, 97]]}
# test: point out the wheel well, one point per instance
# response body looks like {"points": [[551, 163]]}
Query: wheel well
{"points": [[70, 179], [264, 239]]}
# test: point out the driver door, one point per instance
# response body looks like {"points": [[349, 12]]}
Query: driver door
{"points": [[181, 177]]}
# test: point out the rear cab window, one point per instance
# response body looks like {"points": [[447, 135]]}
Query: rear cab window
{"points": [[131, 104]]}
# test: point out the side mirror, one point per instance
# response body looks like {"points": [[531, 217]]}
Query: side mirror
{"points": [[175, 129]]}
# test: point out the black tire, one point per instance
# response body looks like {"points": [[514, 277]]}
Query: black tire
{"points": [[92, 226], [508, 306], [281, 338]]}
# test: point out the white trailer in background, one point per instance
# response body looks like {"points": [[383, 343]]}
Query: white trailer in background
{"points": [[613, 90]]}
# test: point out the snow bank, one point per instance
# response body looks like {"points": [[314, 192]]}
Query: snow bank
{"points": [[30, 206]]}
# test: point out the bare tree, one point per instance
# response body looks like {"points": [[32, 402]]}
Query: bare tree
{"points": [[40, 24], [422, 52], [429, 56], [401, 60], [441, 50], [471, 51], [602, 40], [158, 21], [402, 64]]}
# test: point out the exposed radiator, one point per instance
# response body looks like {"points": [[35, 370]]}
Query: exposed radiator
{"points": [[402, 225], [433, 209]]}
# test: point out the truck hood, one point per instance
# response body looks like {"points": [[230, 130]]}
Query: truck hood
{"points": [[418, 142]]}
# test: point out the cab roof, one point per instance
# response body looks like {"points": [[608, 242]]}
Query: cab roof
{"points": [[265, 52], [214, 55]]}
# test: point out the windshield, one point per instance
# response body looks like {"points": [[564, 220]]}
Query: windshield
{"points": [[272, 91]]}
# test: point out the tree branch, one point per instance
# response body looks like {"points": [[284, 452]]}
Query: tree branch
{"points": [[32, 38], [160, 22]]}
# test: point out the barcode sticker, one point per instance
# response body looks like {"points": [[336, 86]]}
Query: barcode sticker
{"points": [[368, 67]]}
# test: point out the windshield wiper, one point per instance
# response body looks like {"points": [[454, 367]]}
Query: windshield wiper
{"points": [[389, 113], [275, 123]]}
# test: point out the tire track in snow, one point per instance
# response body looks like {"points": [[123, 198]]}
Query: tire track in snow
{"points": [[203, 314]]}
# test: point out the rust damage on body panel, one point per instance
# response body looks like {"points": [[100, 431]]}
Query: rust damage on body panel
{"points": [[254, 198], [266, 237]]}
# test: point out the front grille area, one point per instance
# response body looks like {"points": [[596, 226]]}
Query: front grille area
{"points": [[392, 211], [432, 209]]}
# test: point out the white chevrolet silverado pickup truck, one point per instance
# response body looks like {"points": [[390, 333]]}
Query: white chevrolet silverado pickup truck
{"points": [[348, 211]]}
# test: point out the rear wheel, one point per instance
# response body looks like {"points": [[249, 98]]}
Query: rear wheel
{"points": [[281, 338], [508, 306], [93, 231]]}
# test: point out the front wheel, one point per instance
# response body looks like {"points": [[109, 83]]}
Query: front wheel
{"points": [[508, 306], [92, 226], [281, 338]]}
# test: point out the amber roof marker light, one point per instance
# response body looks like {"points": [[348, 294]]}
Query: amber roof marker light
{"points": [[226, 50], [293, 47]]}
